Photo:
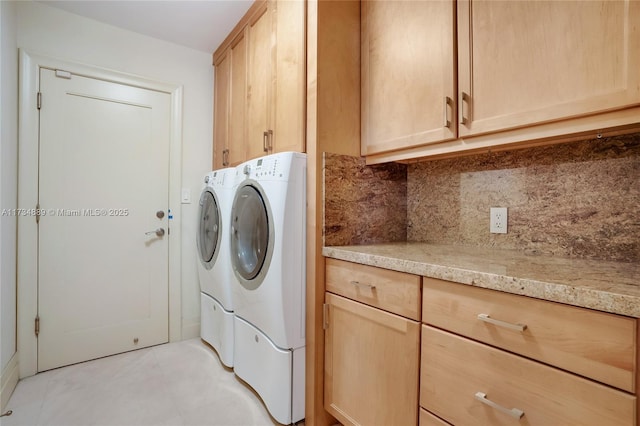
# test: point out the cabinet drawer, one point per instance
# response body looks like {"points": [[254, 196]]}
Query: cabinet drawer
{"points": [[392, 291], [594, 344], [371, 365], [456, 372], [428, 419]]}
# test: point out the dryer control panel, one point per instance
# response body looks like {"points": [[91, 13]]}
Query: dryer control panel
{"points": [[272, 167]]}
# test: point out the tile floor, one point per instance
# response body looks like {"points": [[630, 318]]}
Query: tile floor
{"points": [[180, 383]]}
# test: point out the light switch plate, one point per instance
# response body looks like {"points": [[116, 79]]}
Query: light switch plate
{"points": [[186, 196]]}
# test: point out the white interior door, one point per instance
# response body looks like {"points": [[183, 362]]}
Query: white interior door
{"points": [[103, 176]]}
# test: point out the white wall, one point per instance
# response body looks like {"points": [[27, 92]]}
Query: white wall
{"points": [[48, 31], [8, 179], [8, 199]]}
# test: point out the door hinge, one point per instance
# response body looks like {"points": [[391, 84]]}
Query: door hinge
{"points": [[37, 213], [325, 316], [63, 74], [39, 100], [37, 330]]}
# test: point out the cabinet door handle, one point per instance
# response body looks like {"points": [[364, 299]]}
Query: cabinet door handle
{"points": [[510, 326], [464, 98], [270, 140], [447, 102], [359, 284], [265, 142], [225, 157], [325, 316], [513, 412]]}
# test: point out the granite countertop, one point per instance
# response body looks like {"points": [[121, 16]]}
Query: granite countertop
{"points": [[606, 286]]}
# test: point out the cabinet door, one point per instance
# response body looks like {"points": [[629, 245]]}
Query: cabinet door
{"points": [[238, 101], [371, 365], [529, 62], [260, 31], [408, 91], [221, 113], [290, 97]]}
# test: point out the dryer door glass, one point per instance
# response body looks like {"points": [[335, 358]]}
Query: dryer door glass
{"points": [[250, 238], [209, 227]]}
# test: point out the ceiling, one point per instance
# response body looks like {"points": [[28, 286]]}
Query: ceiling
{"points": [[200, 24]]}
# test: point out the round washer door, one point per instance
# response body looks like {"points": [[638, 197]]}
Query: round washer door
{"points": [[209, 232], [251, 235]]}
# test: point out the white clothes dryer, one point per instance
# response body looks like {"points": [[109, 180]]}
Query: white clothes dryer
{"points": [[214, 265], [268, 259]]}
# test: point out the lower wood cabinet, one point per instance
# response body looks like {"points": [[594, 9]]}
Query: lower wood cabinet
{"points": [[371, 364], [593, 344], [479, 357], [469, 383], [493, 358], [428, 419]]}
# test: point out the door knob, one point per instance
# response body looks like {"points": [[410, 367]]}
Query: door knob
{"points": [[159, 232]]}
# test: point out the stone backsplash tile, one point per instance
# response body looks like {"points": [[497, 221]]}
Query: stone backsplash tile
{"points": [[578, 199], [363, 204]]}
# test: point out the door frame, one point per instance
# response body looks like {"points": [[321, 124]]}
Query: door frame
{"points": [[27, 261]]}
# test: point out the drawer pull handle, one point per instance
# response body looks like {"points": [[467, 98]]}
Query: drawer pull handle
{"points": [[516, 327], [513, 412], [359, 284]]}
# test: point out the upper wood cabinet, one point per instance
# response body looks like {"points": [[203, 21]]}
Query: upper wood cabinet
{"points": [[408, 72], [528, 62], [237, 141], [259, 78], [230, 88], [266, 84], [222, 88], [526, 71]]}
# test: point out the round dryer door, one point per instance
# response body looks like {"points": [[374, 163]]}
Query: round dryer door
{"points": [[209, 234], [251, 239]]}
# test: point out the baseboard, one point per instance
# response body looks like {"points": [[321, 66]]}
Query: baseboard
{"points": [[190, 329], [8, 381]]}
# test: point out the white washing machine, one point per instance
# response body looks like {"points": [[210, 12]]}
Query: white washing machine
{"points": [[268, 258], [214, 265]]}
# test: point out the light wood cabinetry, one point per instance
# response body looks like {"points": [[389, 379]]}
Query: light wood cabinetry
{"points": [[221, 112], [396, 292], [333, 125], [465, 382], [408, 70], [496, 357], [265, 88], [527, 73], [523, 63], [428, 419], [237, 140], [229, 132], [259, 82], [371, 355], [594, 344]]}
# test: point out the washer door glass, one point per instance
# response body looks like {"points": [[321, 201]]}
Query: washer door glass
{"points": [[209, 227], [250, 239]]}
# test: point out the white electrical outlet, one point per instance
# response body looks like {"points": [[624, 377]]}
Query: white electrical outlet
{"points": [[498, 220]]}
